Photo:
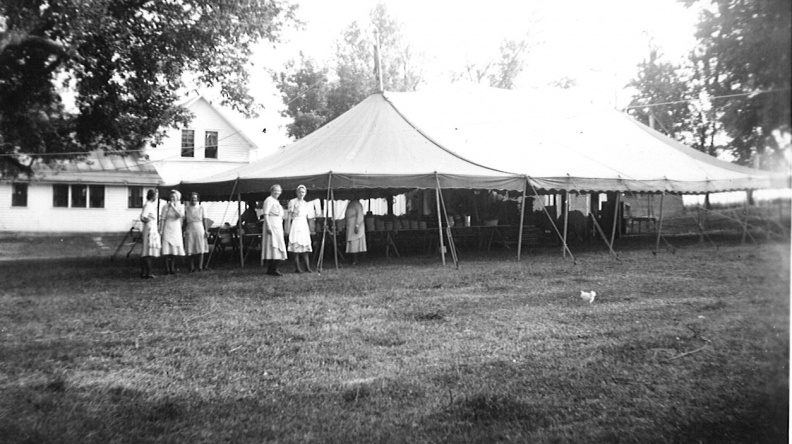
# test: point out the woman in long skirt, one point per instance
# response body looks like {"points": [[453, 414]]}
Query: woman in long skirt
{"points": [[150, 234], [273, 245], [195, 233], [355, 230], [171, 218], [299, 232]]}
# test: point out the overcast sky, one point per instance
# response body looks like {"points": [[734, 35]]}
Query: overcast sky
{"points": [[596, 43]]}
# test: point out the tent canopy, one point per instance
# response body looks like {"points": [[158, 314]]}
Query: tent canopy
{"points": [[485, 138], [371, 147], [563, 143]]}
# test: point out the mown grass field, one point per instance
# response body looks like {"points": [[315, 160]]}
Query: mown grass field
{"points": [[690, 346]]}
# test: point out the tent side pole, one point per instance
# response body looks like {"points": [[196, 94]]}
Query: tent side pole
{"points": [[217, 238], [660, 222], [615, 217], [335, 234], [745, 221], [555, 227], [522, 220], [240, 234], [451, 244], [320, 260], [566, 221], [440, 225], [604, 236]]}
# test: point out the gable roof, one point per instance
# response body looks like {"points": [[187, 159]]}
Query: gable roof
{"points": [[200, 98]]}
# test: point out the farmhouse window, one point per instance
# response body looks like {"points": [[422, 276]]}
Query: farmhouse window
{"points": [[96, 196], [135, 197], [188, 143], [19, 198], [60, 195], [210, 142], [79, 196]]}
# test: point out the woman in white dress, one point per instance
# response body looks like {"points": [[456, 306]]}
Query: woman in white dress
{"points": [[171, 218], [299, 232], [273, 245], [355, 229], [150, 234], [195, 233]]}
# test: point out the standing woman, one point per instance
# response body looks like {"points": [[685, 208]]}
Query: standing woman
{"points": [[273, 246], [355, 230], [195, 232], [150, 234], [172, 241], [299, 232]]}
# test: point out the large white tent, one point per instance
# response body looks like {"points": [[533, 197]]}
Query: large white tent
{"points": [[476, 137], [484, 138], [563, 143]]}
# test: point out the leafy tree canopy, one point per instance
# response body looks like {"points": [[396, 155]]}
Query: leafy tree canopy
{"points": [[123, 61], [741, 67]]}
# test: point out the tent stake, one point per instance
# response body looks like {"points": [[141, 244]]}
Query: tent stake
{"points": [[522, 220]]}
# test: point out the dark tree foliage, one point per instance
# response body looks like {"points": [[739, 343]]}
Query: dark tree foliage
{"points": [[669, 102], [744, 47], [122, 63], [741, 66]]}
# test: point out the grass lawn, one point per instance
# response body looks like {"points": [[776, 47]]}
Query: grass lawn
{"points": [[683, 347]]}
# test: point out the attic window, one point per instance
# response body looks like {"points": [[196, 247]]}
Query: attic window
{"points": [[188, 143], [210, 142]]}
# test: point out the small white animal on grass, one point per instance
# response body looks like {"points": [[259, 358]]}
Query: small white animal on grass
{"points": [[588, 295]]}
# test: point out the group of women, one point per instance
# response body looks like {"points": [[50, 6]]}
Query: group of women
{"points": [[273, 243], [298, 211], [177, 230], [162, 233]]}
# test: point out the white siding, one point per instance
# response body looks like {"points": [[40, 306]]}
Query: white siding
{"points": [[233, 149], [40, 216]]}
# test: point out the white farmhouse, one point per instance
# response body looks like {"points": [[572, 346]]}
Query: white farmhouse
{"points": [[104, 193]]}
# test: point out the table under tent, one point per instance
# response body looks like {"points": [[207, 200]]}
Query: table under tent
{"points": [[539, 148]]}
